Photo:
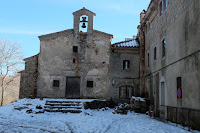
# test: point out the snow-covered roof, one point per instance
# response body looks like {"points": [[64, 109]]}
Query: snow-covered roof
{"points": [[129, 43]]}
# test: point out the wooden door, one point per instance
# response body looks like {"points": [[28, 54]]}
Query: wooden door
{"points": [[73, 87]]}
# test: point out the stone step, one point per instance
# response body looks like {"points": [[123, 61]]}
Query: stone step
{"points": [[64, 111], [63, 102], [61, 107]]}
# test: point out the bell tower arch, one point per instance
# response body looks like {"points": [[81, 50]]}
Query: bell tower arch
{"points": [[83, 21]]}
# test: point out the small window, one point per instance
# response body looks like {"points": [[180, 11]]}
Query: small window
{"points": [[155, 53], [56, 83], [126, 64], [161, 8], [148, 60], [75, 49], [90, 84], [74, 60], [163, 48]]}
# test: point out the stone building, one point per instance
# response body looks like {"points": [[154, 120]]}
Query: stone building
{"points": [[28, 80], [124, 70], [169, 36], [80, 63]]}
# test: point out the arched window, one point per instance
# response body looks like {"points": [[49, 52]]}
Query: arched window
{"points": [[83, 23], [163, 48], [155, 53]]}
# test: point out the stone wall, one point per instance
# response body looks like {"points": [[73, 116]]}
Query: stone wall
{"points": [[184, 116], [28, 81]]}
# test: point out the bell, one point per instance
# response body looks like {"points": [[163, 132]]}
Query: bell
{"points": [[83, 26]]}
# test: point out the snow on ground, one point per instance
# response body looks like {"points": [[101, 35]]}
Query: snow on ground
{"points": [[89, 121]]}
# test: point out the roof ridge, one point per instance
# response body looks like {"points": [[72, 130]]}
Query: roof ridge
{"points": [[123, 41], [103, 32], [86, 10]]}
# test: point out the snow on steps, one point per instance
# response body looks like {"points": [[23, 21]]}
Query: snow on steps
{"points": [[63, 106]]}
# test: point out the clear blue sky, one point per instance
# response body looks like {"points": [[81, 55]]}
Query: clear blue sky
{"points": [[23, 21]]}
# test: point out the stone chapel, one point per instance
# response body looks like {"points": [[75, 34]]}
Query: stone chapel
{"points": [[77, 63]]}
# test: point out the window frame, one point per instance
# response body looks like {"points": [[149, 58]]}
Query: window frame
{"points": [[126, 64], [164, 48], [56, 83], [126, 91], [162, 6]]}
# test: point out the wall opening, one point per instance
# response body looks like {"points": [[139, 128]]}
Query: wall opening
{"points": [[90, 84], [83, 23], [56, 83], [75, 49], [126, 64]]}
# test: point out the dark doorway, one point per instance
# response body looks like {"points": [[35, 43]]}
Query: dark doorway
{"points": [[73, 87]]}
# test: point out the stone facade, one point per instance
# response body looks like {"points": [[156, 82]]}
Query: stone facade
{"points": [[169, 36], [77, 64], [58, 60], [124, 82]]}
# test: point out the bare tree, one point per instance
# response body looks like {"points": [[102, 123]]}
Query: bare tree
{"points": [[10, 62]]}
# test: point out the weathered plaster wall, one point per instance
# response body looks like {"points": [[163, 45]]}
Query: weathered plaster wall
{"points": [[92, 63]]}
